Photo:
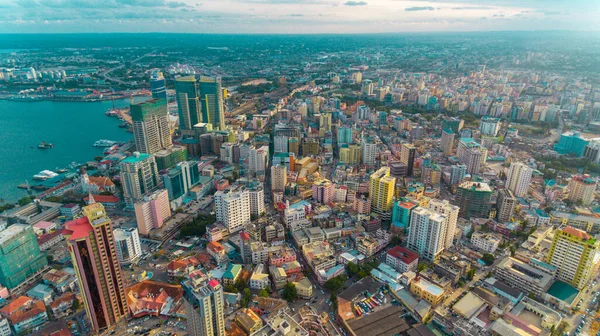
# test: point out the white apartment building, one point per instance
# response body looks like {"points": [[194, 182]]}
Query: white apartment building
{"points": [[127, 242], [518, 178], [486, 242], [232, 207], [451, 213], [427, 233]]}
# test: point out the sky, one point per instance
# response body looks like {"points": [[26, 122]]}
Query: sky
{"points": [[296, 16]]}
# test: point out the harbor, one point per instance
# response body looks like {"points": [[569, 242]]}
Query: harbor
{"points": [[72, 128]]}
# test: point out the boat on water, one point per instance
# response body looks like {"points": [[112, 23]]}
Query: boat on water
{"points": [[123, 125], [61, 170], [111, 112], [104, 143], [44, 145], [44, 175]]}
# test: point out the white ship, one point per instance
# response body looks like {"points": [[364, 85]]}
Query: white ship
{"points": [[44, 175]]}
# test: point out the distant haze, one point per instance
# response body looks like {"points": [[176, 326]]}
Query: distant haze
{"points": [[295, 16]]}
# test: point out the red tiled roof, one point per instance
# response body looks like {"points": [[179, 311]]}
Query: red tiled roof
{"points": [[215, 246], [577, 233], [77, 228], [21, 315], [14, 305], [407, 256], [213, 283], [104, 199]]}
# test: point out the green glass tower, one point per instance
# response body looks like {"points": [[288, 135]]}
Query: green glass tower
{"points": [[188, 102], [211, 97], [20, 255]]}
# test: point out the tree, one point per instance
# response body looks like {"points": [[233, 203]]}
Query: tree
{"points": [[25, 200], [334, 284], [76, 304], [471, 274], [352, 268], [263, 293], [396, 240], [246, 296], [290, 293], [488, 259], [421, 267]]}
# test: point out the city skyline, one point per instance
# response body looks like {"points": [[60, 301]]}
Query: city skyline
{"points": [[295, 16]]}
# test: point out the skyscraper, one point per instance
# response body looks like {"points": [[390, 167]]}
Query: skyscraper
{"points": [[427, 233], [381, 192], [473, 199], [573, 253], [447, 142], [401, 215], [278, 177], [188, 102], [506, 203], [471, 154], [157, 85], [204, 306], [489, 126], [407, 156], [94, 254], [258, 158], [151, 126], [139, 177], [519, 178], [451, 213], [457, 173], [211, 97], [20, 255]]}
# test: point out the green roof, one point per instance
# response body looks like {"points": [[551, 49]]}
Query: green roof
{"points": [[232, 271], [136, 159]]}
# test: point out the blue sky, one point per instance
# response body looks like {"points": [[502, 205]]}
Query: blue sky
{"points": [[295, 16]]}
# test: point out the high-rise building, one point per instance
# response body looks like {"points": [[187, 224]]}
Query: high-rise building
{"points": [[323, 191], [506, 203], [278, 178], [367, 87], [232, 207], [407, 156], [157, 85], [151, 126], [473, 199], [451, 213], [471, 154], [324, 123], [381, 192], [453, 124], [20, 256], [447, 142], [170, 157], [94, 254], [350, 154], [204, 305], [127, 242], [139, 177], [427, 233], [519, 178], [188, 102], [344, 135], [294, 146], [258, 158], [280, 143], [582, 189], [573, 254], [369, 150], [489, 126], [457, 173], [211, 97], [181, 178], [256, 194], [401, 215], [152, 211]]}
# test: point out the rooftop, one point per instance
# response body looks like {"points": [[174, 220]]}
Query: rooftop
{"points": [[12, 231], [383, 322], [407, 256], [563, 291]]}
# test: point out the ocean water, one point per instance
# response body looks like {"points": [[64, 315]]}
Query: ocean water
{"points": [[71, 126]]}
